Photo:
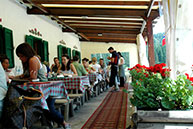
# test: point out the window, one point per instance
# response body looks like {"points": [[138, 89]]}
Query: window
{"points": [[101, 55], [75, 52], [6, 44], [62, 50], [37, 43], [105, 55]]}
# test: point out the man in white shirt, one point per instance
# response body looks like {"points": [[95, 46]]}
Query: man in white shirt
{"points": [[3, 87]]}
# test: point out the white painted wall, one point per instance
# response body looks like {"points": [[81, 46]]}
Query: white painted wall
{"points": [[14, 17], [89, 48]]}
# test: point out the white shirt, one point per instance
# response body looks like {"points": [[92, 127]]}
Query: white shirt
{"points": [[3, 83], [121, 58], [96, 67]]}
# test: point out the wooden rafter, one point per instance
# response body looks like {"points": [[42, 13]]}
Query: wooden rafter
{"points": [[113, 19], [92, 2], [106, 30], [93, 12]]}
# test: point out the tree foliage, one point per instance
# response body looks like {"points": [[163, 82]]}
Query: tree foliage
{"points": [[160, 51]]}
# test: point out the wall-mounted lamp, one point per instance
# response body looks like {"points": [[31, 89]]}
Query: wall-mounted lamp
{"points": [[62, 42], [75, 47]]}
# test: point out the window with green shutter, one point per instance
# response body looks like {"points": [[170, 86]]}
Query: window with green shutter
{"points": [[75, 52], [46, 53], [69, 52], [6, 40], [39, 45], [29, 39], [1, 41], [60, 52]]}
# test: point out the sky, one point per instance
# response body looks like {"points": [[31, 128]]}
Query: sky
{"points": [[159, 26]]}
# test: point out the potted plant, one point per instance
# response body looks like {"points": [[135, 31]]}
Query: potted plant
{"points": [[153, 90]]}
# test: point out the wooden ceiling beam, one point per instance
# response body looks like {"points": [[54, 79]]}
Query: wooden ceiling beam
{"points": [[85, 24], [111, 40], [93, 12], [86, 31], [107, 27], [105, 20], [92, 2], [111, 35]]}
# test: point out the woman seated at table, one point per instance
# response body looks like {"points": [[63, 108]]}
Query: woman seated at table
{"points": [[32, 70], [55, 67], [67, 67], [95, 65], [88, 68], [32, 66]]}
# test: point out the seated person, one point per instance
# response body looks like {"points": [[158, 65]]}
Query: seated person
{"points": [[3, 87], [32, 66], [5, 63], [102, 64], [79, 68], [47, 66], [33, 69], [95, 65], [44, 66], [67, 67], [88, 68], [55, 67]]}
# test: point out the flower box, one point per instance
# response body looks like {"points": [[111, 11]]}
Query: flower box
{"points": [[161, 119], [153, 90]]}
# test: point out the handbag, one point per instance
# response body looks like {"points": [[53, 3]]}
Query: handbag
{"points": [[21, 108]]}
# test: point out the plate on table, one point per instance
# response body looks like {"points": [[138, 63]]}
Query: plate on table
{"points": [[19, 80], [38, 82]]}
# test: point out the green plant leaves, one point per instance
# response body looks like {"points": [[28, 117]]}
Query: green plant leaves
{"points": [[167, 104], [153, 91]]}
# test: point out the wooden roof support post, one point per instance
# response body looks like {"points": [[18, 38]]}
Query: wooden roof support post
{"points": [[150, 42]]}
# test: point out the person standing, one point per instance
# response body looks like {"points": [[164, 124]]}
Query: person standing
{"points": [[114, 68], [121, 70]]}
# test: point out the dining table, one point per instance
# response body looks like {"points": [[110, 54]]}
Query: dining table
{"points": [[75, 82], [49, 89]]}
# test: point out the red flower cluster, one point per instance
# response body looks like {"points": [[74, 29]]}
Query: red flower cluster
{"points": [[189, 78], [158, 68]]}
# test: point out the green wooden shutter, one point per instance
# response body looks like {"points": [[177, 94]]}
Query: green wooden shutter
{"points": [[2, 50], [79, 54], [29, 39], [8, 40], [69, 52], [60, 52], [64, 50], [73, 53], [40, 48], [46, 55]]}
